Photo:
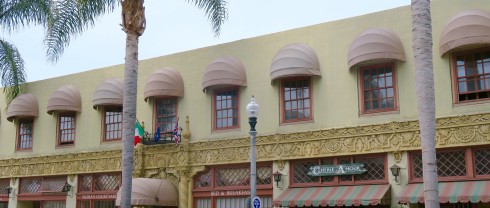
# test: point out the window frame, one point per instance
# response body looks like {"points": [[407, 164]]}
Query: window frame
{"points": [[155, 114], [370, 67], [4, 184], [336, 179], [282, 100], [215, 187], [455, 77], [214, 110], [18, 136], [92, 183], [469, 165], [80, 194], [104, 124], [58, 128]]}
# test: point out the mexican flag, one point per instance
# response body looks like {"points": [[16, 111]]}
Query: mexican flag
{"points": [[138, 132]]}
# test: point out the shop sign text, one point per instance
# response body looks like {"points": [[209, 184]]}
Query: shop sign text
{"points": [[231, 193], [99, 196], [333, 170]]}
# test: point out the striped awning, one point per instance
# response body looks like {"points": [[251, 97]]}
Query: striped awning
{"points": [[452, 192], [335, 196]]}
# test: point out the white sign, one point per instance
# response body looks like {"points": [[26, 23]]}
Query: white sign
{"points": [[256, 202]]}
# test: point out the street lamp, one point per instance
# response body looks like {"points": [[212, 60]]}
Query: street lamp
{"points": [[253, 112]]}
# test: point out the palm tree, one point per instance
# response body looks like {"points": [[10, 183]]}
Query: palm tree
{"points": [[424, 83], [71, 17], [15, 14]]}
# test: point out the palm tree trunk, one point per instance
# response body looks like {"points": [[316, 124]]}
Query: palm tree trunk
{"points": [[129, 116], [133, 20], [424, 83]]}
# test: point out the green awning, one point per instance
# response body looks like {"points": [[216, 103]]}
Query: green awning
{"points": [[452, 192], [335, 196]]}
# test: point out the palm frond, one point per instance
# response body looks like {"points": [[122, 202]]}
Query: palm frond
{"points": [[70, 18], [15, 14], [12, 70], [215, 10]]}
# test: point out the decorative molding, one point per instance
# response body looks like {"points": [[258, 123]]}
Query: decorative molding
{"points": [[454, 131], [71, 177], [66, 164], [281, 164], [397, 155], [159, 160]]}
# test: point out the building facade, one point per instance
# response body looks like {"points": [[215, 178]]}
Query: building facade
{"points": [[337, 111]]}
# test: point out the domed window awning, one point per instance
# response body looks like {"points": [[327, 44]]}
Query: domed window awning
{"points": [[164, 82], [295, 60], [375, 44], [66, 98], [470, 27], [225, 70], [152, 192], [23, 106], [109, 93]]}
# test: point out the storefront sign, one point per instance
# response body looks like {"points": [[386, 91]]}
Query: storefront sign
{"points": [[99, 196], [231, 193], [333, 170]]}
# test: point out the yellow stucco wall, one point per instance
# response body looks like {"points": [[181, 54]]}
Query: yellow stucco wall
{"points": [[335, 93]]}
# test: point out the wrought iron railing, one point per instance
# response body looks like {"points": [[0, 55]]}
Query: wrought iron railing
{"points": [[165, 138]]}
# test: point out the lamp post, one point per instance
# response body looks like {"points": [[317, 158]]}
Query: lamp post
{"points": [[252, 111]]}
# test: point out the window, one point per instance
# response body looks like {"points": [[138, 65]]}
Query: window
{"points": [[112, 123], [229, 186], [232, 177], [472, 70], [226, 110], [378, 88], [455, 164], [66, 129], [98, 190], [374, 164], [296, 99], [39, 185], [4, 184], [100, 182], [24, 139], [166, 114]]}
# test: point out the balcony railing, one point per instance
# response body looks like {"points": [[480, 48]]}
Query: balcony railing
{"points": [[165, 138]]}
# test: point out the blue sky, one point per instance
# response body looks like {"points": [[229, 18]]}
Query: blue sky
{"points": [[175, 25]]}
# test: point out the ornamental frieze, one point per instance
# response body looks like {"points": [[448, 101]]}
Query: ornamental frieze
{"points": [[159, 160], [74, 163], [388, 137]]}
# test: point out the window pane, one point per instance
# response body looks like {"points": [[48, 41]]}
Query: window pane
{"points": [[390, 92], [482, 162], [375, 167], [381, 82], [389, 81], [375, 105], [367, 105], [301, 169]]}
